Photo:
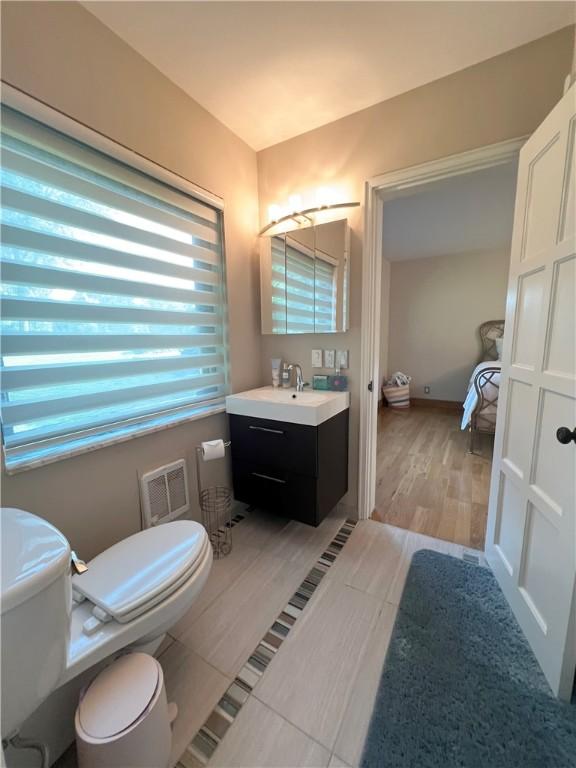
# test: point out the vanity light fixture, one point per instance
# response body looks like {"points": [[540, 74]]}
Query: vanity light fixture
{"points": [[302, 217]]}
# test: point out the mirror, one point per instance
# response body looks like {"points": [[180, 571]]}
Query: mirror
{"points": [[304, 278]]}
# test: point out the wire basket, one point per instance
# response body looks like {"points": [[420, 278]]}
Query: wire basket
{"points": [[216, 506]]}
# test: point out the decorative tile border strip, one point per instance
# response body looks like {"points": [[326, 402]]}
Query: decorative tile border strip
{"points": [[204, 744], [238, 517], [221, 537]]}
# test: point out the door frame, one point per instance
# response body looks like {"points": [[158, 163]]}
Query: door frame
{"points": [[377, 190]]}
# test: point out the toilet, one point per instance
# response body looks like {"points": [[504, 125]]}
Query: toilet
{"points": [[56, 625]]}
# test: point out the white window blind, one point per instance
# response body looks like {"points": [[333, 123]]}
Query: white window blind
{"points": [[113, 298], [278, 250], [325, 285], [299, 290]]}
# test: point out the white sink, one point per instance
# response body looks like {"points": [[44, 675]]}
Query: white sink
{"points": [[308, 407]]}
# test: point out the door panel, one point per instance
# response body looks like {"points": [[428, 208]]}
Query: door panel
{"points": [[539, 578], [511, 513], [543, 198], [568, 223], [560, 350], [551, 457], [531, 290], [516, 450], [531, 537]]}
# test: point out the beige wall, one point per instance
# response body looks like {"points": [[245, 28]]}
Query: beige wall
{"points": [[436, 306], [502, 98], [573, 68], [61, 54]]}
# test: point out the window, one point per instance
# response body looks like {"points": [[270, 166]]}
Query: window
{"points": [[113, 298]]}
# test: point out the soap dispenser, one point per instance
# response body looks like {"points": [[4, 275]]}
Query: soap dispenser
{"points": [[286, 376]]}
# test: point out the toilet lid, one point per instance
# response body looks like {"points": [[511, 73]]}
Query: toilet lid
{"points": [[136, 573], [119, 695]]}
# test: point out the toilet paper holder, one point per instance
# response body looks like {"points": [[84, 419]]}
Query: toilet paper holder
{"points": [[216, 508]]}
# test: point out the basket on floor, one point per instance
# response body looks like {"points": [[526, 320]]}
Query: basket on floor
{"points": [[397, 397], [216, 507]]}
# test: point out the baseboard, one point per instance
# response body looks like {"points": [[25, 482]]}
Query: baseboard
{"points": [[450, 405]]}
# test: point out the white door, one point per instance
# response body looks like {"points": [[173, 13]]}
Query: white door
{"points": [[531, 538]]}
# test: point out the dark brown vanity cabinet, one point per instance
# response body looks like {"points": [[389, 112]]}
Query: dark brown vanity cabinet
{"points": [[293, 470]]}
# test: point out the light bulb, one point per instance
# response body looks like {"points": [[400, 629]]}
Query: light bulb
{"points": [[274, 212], [324, 197], [295, 203]]}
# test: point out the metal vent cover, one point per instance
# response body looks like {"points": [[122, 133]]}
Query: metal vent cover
{"points": [[164, 493]]}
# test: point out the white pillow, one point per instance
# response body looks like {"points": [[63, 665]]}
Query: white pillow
{"points": [[499, 343]]}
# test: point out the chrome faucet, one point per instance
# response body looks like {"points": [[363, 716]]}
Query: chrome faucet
{"points": [[299, 377]]}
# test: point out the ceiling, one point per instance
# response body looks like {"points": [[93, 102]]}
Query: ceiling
{"points": [[471, 213], [273, 70]]}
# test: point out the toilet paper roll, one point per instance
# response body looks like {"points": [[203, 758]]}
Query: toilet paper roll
{"points": [[213, 449]]}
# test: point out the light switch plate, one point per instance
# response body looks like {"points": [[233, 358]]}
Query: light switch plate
{"points": [[342, 359], [316, 358], [329, 358]]}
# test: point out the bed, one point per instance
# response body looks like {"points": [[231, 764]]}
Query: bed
{"points": [[481, 404]]}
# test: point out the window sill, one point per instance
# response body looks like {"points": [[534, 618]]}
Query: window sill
{"points": [[106, 442]]}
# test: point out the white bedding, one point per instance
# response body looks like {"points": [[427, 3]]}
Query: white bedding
{"points": [[489, 389]]}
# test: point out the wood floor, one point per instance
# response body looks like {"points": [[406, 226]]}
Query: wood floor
{"points": [[427, 482]]}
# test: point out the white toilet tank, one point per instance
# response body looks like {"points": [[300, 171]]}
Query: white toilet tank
{"points": [[36, 600]]}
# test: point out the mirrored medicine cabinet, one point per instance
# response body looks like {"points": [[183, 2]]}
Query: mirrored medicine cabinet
{"points": [[304, 276]]}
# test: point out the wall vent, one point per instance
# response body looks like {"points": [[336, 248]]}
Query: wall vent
{"points": [[164, 493]]}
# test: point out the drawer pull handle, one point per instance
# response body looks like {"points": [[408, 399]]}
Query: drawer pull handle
{"points": [[267, 429], [268, 477]]}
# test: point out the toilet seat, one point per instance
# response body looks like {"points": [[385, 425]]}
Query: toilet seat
{"points": [[88, 648], [135, 574]]}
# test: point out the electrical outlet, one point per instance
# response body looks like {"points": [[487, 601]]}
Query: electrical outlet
{"points": [[329, 358], [342, 359], [316, 358], [427, 389]]}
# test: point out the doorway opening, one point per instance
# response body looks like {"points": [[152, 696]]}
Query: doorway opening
{"points": [[437, 242], [445, 263]]}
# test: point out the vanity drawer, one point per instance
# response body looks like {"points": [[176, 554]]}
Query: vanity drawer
{"points": [[276, 444], [284, 493]]}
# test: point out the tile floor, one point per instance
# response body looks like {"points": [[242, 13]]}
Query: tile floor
{"points": [[312, 704]]}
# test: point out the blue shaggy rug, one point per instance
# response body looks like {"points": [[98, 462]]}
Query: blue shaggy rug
{"points": [[460, 686]]}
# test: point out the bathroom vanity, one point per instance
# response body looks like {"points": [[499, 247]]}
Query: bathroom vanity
{"points": [[290, 450]]}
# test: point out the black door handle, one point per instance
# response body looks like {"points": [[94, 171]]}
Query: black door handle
{"points": [[565, 435]]}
